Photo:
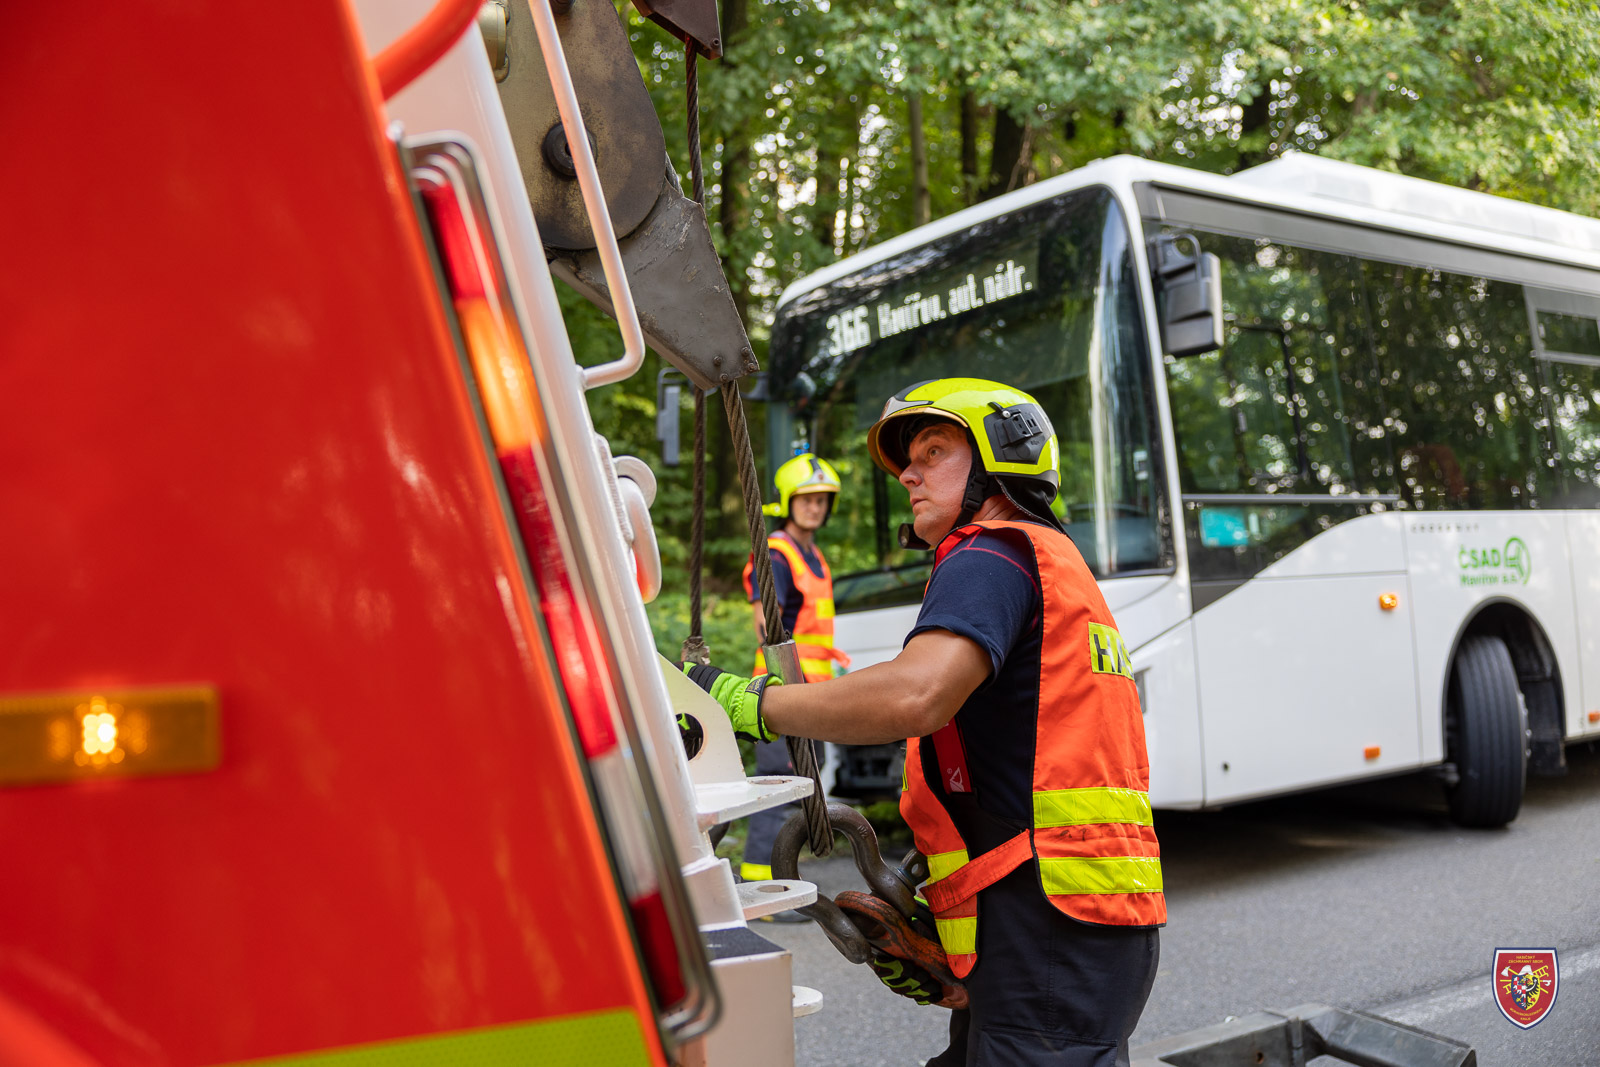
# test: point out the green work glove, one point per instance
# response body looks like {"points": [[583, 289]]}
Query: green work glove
{"points": [[906, 978], [739, 697]]}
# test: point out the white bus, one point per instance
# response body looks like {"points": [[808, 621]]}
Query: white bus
{"points": [[1346, 515]]}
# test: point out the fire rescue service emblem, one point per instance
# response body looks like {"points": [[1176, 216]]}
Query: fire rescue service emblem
{"points": [[1525, 981]]}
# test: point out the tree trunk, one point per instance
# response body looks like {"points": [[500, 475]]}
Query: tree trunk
{"points": [[969, 147], [724, 498], [1255, 130], [836, 143], [848, 167], [921, 196], [733, 216], [1008, 163], [825, 209]]}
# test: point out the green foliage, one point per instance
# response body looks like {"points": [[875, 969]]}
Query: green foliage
{"points": [[726, 626], [1497, 96], [807, 151]]}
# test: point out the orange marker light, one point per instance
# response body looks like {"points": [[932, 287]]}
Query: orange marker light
{"points": [[63, 737], [1388, 601], [1371, 751], [1594, 716]]}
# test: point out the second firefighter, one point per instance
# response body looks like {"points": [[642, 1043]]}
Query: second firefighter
{"points": [[807, 488]]}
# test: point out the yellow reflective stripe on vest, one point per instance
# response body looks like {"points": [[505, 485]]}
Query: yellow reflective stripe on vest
{"points": [[824, 607], [1070, 875], [825, 640], [944, 864], [1087, 807], [958, 936]]}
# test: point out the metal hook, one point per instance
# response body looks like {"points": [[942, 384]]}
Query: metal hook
{"points": [[838, 929], [895, 887]]}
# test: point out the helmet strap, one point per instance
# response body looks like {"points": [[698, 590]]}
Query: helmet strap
{"points": [[980, 487]]}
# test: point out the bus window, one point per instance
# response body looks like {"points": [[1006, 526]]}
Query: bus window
{"points": [[1278, 429], [1045, 298], [1574, 391], [1577, 335], [1466, 408], [1289, 404]]}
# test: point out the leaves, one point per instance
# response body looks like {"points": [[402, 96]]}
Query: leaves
{"points": [[807, 114]]}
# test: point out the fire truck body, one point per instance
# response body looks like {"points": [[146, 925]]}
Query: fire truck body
{"points": [[330, 723]]}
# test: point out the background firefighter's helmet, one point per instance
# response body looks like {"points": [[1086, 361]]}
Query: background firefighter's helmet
{"points": [[1015, 450], [803, 474]]}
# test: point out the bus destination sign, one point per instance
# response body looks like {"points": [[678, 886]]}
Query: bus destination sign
{"points": [[929, 301]]}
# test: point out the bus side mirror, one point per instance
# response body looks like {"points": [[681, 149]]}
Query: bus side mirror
{"points": [[669, 388], [1188, 295]]}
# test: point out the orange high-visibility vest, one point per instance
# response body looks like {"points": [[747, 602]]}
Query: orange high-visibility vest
{"points": [[1091, 833], [813, 627]]}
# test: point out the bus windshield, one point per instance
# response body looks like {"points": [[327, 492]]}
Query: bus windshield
{"points": [[1044, 298]]}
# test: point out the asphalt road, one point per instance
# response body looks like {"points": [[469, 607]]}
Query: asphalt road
{"points": [[1362, 897]]}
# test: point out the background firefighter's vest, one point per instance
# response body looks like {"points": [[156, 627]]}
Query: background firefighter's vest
{"points": [[1092, 836], [813, 627]]}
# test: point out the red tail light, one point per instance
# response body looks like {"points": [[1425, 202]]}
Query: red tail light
{"points": [[517, 427]]}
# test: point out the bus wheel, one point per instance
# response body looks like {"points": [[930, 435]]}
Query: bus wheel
{"points": [[1488, 735]]}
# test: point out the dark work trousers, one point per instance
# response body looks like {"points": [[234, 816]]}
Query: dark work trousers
{"points": [[1047, 989], [772, 757]]}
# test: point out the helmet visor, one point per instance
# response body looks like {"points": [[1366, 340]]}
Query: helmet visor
{"points": [[889, 439]]}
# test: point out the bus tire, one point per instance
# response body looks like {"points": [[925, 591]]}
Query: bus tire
{"points": [[1489, 737]]}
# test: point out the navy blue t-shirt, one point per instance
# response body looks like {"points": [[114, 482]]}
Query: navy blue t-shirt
{"points": [[789, 597], [987, 589]]}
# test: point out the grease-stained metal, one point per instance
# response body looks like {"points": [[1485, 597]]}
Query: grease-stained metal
{"points": [[691, 21], [627, 138], [684, 301], [685, 305]]}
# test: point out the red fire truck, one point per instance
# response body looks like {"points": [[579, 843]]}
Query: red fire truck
{"points": [[331, 729]]}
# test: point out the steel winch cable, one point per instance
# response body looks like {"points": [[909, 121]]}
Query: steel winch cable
{"points": [[802, 752], [695, 649]]}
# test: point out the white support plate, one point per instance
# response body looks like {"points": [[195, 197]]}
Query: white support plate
{"points": [[719, 802], [807, 1001], [768, 898]]}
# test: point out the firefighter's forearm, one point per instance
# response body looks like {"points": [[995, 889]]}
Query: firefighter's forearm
{"points": [[865, 707], [911, 695]]}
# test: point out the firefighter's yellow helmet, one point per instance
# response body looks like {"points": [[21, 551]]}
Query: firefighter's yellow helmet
{"points": [[803, 474], [1012, 433]]}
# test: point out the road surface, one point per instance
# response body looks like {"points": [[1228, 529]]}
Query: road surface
{"points": [[1362, 897]]}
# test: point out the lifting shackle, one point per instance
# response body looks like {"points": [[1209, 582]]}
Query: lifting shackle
{"points": [[895, 886]]}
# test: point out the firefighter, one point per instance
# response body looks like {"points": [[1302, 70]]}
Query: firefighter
{"points": [[807, 488], [1027, 779]]}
